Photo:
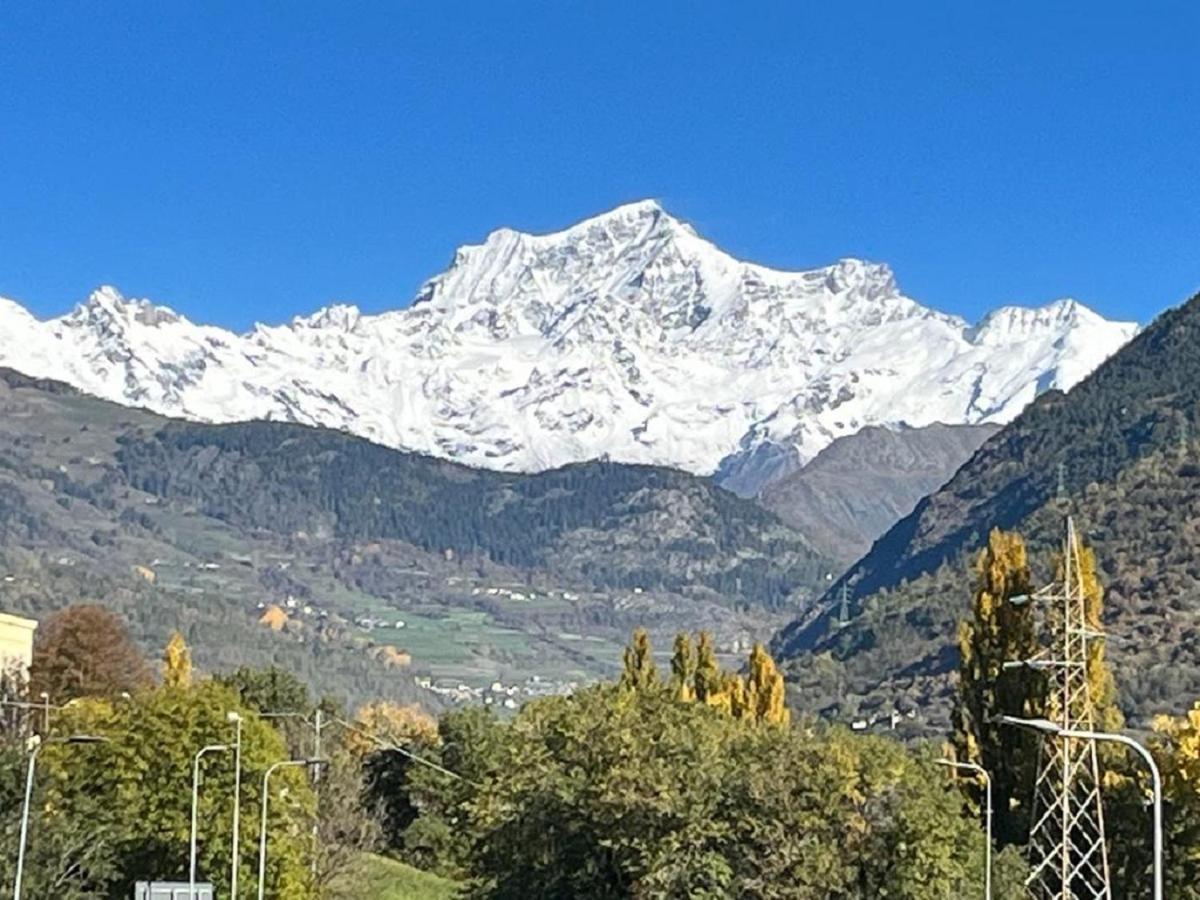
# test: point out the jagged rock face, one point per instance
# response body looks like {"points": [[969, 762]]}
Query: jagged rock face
{"points": [[627, 335]]}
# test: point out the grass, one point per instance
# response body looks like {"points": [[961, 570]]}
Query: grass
{"points": [[379, 878]]}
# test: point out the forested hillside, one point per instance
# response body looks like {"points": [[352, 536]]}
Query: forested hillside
{"points": [[364, 568], [1120, 454], [609, 524]]}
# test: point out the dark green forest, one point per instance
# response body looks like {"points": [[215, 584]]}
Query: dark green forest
{"points": [[608, 524]]}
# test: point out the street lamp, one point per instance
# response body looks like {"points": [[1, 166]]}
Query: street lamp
{"points": [[262, 828], [318, 724], [73, 739], [211, 748], [1045, 726], [235, 719], [987, 787]]}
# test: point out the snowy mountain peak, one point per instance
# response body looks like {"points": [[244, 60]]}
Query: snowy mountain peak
{"points": [[1010, 323], [107, 307], [627, 335], [336, 317]]}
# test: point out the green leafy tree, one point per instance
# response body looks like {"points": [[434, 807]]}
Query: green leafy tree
{"points": [[134, 792], [472, 745], [1176, 748], [268, 690], [69, 857], [614, 793]]}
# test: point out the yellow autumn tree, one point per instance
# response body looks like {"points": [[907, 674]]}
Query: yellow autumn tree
{"points": [[639, 672], [1102, 687], [177, 662], [381, 723], [683, 669], [765, 699], [707, 677], [1176, 749], [999, 631]]}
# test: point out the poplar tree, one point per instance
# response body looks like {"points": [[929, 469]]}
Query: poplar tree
{"points": [[708, 672], [683, 669], [766, 695], [177, 662], [1000, 631], [640, 673], [1102, 687]]}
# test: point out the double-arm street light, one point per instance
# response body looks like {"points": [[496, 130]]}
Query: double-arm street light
{"points": [[72, 739], [262, 828], [1045, 726], [987, 789], [211, 748]]}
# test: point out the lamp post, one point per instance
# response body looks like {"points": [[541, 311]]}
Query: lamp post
{"points": [[236, 720], [318, 724], [73, 739], [1045, 726], [211, 748], [262, 828], [987, 788]]}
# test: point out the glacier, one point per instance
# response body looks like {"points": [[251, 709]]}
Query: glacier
{"points": [[626, 336]]}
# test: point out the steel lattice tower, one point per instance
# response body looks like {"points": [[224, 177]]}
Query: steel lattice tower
{"points": [[1067, 851]]}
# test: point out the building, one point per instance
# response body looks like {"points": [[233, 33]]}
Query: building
{"points": [[16, 643]]}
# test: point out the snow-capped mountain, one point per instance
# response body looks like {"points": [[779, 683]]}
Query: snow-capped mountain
{"points": [[627, 335]]}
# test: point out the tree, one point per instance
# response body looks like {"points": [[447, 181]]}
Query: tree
{"points": [[177, 662], [66, 857], [999, 631], [1176, 749], [349, 825], [382, 723], [708, 670], [611, 793], [640, 673], [765, 692], [133, 793], [683, 669], [268, 690], [1102, 687], [86, 651], [472, 745]]}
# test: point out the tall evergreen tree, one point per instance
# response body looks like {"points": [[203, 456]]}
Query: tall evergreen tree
{"points": [[1000, 631]]}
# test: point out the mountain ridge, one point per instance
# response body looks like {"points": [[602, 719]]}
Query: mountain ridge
{"points": [[626, 335], [477, 576], [1119, 453]]}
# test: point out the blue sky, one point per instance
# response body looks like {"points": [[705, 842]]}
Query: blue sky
{"points": [[244, 161]]}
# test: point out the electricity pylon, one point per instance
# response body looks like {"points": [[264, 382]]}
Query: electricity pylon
{"points": [[1068, 855]]}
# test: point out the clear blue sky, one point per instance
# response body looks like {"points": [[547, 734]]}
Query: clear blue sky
{"points": [[244, 161]]}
